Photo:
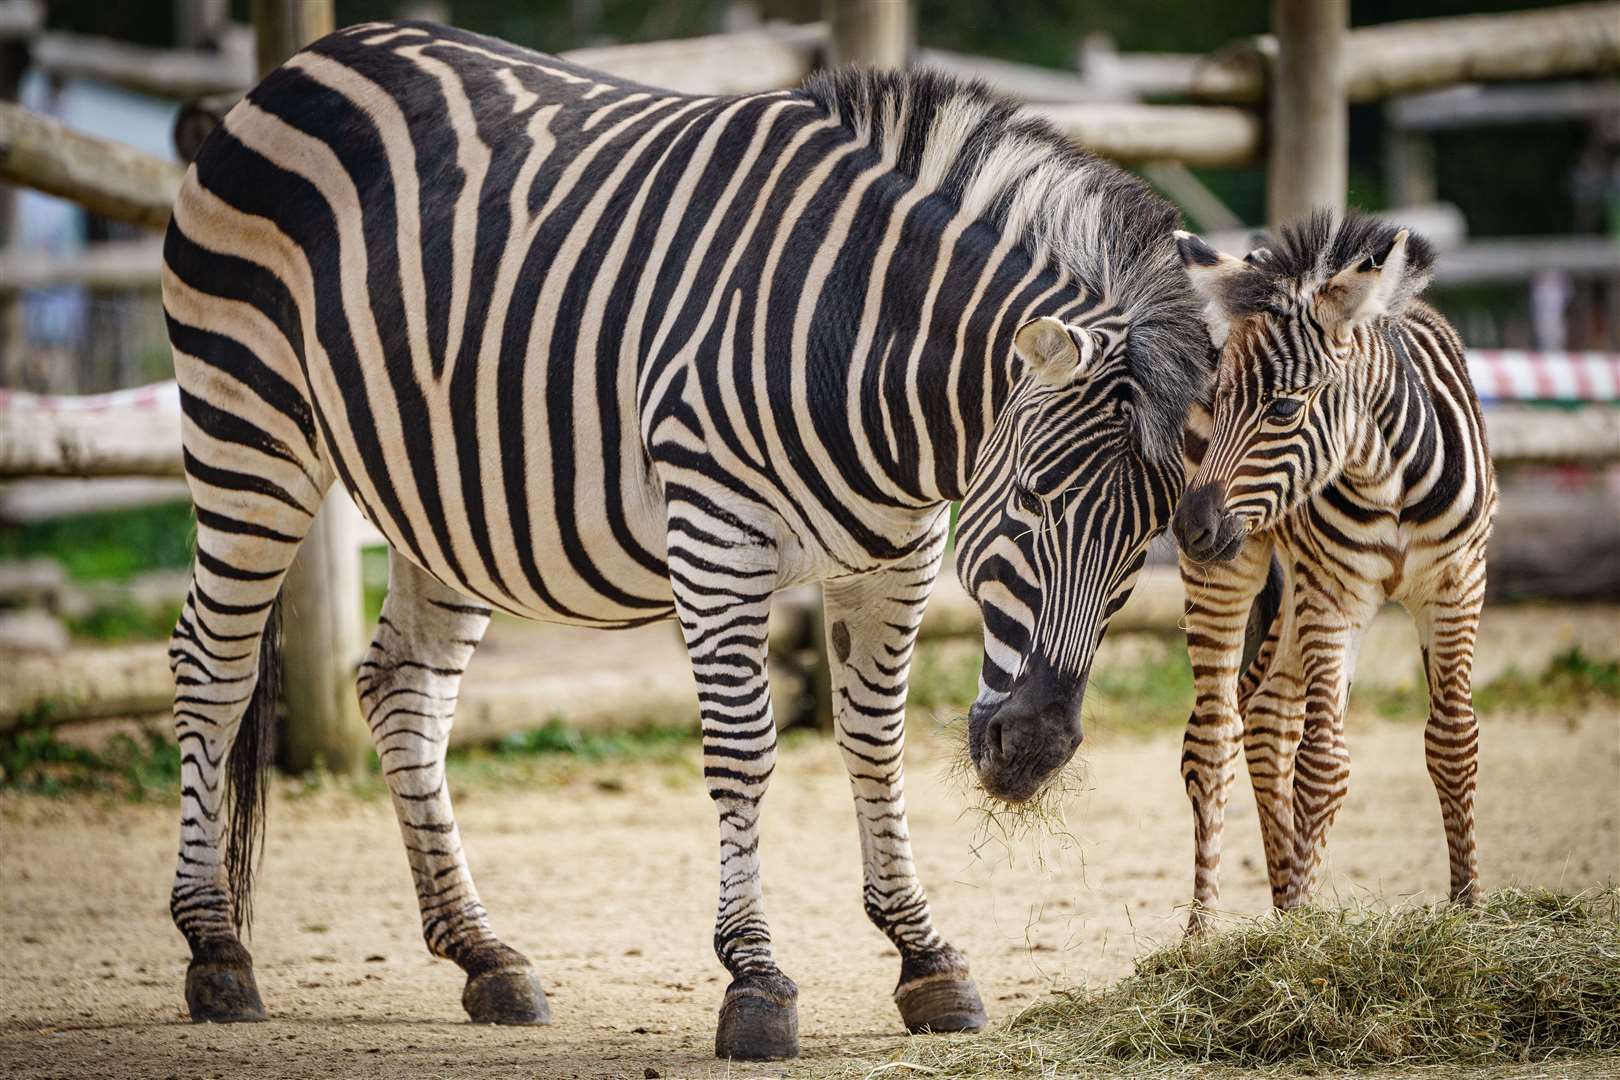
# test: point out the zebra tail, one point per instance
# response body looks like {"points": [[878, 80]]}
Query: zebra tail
{"points": [[1263, 613], [246, 772]]}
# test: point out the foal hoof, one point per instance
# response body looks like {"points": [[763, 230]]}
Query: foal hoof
{"points": [[223, 992], [506, 996], [946, 1001], [759, 1019]]}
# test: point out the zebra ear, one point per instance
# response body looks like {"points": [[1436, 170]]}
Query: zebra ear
{"points": [[1213, 275], [1369, 288], [1057, 353]]}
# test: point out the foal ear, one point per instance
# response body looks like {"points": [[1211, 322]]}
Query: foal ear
{"points": [[1213, 274], [1057, 353], [1369, 288]]}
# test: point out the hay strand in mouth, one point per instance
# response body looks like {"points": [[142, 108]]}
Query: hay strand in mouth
{"points": [[1033, 824], [1528, 974]]}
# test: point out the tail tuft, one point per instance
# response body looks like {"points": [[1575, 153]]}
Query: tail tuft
{"points": [[246, 773]]}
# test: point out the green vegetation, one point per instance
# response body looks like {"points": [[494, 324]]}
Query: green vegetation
{"points": [[136, 766], [115, 544], [36, 760], [1528, 975], [1151, 688], [1573, 683], [556, 752], [125, 621]]}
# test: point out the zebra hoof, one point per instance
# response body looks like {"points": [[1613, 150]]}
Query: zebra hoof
{"points": [[220, 988], [759, 1019], [946, 1001], [506, 996]]}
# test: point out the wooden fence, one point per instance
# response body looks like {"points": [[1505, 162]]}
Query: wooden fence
{"points": [[1312, 66]]}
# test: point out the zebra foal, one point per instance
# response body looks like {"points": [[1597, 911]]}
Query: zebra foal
{"points": [[1342, 464], [593, 352]]}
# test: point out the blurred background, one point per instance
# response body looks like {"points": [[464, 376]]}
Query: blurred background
{"points": [[1515, 177]]}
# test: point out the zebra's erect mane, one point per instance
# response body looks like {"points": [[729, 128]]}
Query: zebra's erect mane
{"points": [[1104, 228], [1313, 250]]}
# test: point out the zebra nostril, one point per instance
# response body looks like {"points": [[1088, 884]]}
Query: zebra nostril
{"points": [[993, 750]]}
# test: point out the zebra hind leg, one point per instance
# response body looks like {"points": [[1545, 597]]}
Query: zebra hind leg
{"points": [[871, 628], [408, 685], [224, 656], [1448, 630]]}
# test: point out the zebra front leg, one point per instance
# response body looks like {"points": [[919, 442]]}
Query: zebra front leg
{"points": [[724, 612], [1448, 630], [1223, 603], [408, 685], [872, 625]]}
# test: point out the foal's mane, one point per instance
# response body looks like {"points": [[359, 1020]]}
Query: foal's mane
{"points": [[1103, 227], [1311, 251]]}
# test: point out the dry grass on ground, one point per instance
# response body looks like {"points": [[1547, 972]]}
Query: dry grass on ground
{"points": [[1530, 976]]}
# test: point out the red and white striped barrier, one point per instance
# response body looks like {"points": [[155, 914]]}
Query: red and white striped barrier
{"points": [[163, 397], [1523, 375]]}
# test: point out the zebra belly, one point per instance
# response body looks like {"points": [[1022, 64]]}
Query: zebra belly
{"points": [[568, 537]]}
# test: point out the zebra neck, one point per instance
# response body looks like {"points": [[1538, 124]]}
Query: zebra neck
{"points": [[1401, 449], [925, 341]]}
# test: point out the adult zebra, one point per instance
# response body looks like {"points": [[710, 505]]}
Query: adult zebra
{"points": [[591, 352]]}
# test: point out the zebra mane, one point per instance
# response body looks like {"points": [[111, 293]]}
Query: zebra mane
{"points": [[1103, 227], [1311, 251]]}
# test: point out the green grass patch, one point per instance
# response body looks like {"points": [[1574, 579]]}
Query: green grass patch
{"points": [[1529, 975], [115, 544], [1572, 683], [33, 760], [556, 753], [125, 621], [1144, 685]]}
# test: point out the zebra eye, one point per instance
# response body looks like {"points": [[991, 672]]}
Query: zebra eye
{"points": [[1029, 501], [1284, 408]]}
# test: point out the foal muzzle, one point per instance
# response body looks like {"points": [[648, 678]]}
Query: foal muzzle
{"points": [[1205, 529]]}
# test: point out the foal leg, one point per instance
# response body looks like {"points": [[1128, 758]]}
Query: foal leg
{"points": [[872, 625], [1219, 605], [723, 573], [1272, 725], [408, 685], [1447, 629], [1329, 625]]}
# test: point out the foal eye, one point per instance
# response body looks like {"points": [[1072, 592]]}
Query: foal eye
{"points": [[1284, 408], [1028, 500]]}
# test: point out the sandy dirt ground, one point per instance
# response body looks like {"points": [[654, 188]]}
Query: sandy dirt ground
{"points": [[610, 893]]}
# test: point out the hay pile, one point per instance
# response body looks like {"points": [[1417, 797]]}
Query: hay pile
{"points": [[1526, 975]]}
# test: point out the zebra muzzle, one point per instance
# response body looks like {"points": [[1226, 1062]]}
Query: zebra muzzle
{"points": [[1019, 743]]}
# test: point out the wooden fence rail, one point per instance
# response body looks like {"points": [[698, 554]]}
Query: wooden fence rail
{"points": [[105, 177], [146, 442], [1422, 54]]}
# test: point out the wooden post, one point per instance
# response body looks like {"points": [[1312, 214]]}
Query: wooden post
{"points": [[322, 639], [877, 33], [282, 27], [1309, 152]]}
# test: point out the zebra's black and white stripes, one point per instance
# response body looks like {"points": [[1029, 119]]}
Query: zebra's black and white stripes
{"points": [[592, 352], [1341, 465]]}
